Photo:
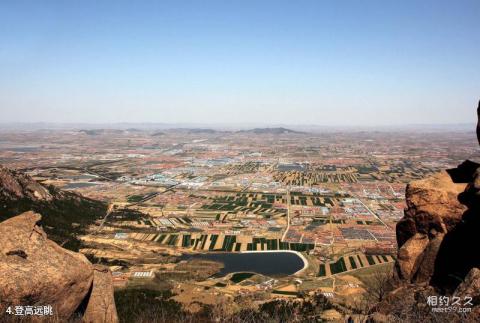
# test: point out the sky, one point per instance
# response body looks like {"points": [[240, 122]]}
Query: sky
{"points": [[296, 62]]}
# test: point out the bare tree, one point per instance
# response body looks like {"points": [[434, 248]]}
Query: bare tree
{"points": [[379, 286]]}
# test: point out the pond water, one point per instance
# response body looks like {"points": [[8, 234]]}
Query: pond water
{"points": [[265, 263], [74, 185]]}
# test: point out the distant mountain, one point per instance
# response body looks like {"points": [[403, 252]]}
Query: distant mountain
{"points": [[271, 131], [158, 134], [96, 132], [196, 130], [211, 131], [65, 214]]}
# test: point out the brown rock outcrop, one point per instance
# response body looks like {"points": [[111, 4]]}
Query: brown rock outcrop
{"points": [[409, 254], [471, 285], [17, 185], [101, 306], [64, 214], [36, 271], [437, 240], [441, 221], [432, 207], [470, 288]]}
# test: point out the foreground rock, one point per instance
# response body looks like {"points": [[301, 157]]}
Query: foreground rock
{"points": [[101, 305], [437, 258], [441, 224], [470, 287], [36, 271], [432, 211]]}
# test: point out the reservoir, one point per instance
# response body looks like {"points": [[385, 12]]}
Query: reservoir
{"points": [[265, 263], [74, 185]]}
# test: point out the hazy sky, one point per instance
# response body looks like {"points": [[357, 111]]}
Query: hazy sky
{"points": [[294, 62]]}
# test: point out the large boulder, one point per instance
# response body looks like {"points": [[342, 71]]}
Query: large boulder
{"points": [[36, 271], [440, 221], [437, 240], [432, 207], [408, 255], [101, 305], [433, 210]]}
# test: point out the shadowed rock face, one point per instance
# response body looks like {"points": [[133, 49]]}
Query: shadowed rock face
{"points": [[478, 123], [457, 254], [60, 209], [36, 271]]}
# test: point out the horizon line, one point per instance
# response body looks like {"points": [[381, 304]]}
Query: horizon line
{"points": [[215, 124]]}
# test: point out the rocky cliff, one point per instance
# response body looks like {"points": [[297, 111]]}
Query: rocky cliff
{"points": [[64, 214], [437, 262], [433, 212], [35, 271], [437, 242]]}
